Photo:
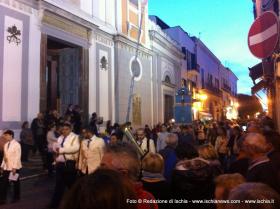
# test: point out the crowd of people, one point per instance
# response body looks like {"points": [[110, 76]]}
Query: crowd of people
{"points": [[200, 165]]}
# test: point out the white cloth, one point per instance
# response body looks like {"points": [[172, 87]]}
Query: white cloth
{"points": [[91, 153], [69, 150], [12, 155], [143, 144]]}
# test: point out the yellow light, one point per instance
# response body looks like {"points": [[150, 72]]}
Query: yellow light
{"points": [[197, 106], [257, 114], [236, 104], [203, 97]]}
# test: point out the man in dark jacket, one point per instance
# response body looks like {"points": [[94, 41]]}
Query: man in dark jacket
{"points": [[186, 136], [169, 155], [261, 168]]}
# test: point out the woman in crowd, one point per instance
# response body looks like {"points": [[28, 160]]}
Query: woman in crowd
{"points": [[209, 153], [221, 146], [26, 141], [51, 139], [232, 143], [153, 179]]}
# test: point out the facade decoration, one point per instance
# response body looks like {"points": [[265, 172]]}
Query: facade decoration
{"points": [[14, 35]]}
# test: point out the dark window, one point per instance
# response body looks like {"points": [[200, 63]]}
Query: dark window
{"points": [[210, 79], [135, 2], [217, 83], [202, 77]]}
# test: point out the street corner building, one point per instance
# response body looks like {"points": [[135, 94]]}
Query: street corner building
{"points": [[60, 52]]}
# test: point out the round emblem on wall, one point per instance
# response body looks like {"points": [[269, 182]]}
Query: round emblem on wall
{"points": [[135, 68]]}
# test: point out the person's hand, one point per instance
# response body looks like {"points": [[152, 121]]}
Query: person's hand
{"points": [[14, 171]]}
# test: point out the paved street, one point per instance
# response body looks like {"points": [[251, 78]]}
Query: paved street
{"points": [[35, 194], [36, 186]]}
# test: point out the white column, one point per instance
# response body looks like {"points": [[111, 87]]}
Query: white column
{"points": [[12, 74]]}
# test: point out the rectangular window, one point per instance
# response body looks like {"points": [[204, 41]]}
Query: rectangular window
{"points": [[217, 83], [202, 78]]}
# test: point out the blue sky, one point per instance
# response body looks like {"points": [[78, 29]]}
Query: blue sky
{"points": [[223, 26]]}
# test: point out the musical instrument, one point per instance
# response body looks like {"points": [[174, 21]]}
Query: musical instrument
{"points": [[131, 138]]}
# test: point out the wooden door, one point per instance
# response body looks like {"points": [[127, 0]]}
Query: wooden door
{"points": [[69, 77]]}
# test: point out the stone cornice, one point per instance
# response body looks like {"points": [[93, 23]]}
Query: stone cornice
{"points": [[67, 15], [122, 42], [29, 7], [165, 43]]}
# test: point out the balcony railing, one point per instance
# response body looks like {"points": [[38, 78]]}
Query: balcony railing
{"points": [[226, 88], [213, 89]]}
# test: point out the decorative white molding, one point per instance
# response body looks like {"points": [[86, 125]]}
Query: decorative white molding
{"points": [[13, 4]]}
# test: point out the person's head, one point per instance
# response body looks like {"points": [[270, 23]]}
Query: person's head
{"points": [[171, 140], [40, 115], [66, 129], [106, 189], [153, 163], [273, 138], [236, 131], [255, 145], [225, 183], [59, 128], [88, 133], [52, 127], [253, 191], [122, 157], [163, 128], [140, 134], [25, 125], [185, 129], [253, 127], [55, 113], [186, 152], [77, 108], [207, 152], [222, 131], [113, 139], [70, 107], [8, 135]]}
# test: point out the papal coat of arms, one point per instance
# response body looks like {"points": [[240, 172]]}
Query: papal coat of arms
{"points": [[14, 35]]}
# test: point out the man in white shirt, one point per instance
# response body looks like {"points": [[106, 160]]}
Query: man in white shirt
{"points": [[91, 152], [67, 151], [10, 166], [147, 145]]}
